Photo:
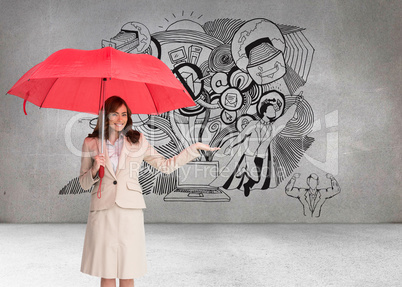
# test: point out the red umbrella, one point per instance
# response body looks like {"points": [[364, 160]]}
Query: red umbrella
{"points": [[81, 80], [72, 79]]}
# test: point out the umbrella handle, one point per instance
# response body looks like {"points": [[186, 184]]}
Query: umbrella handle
{"points": [[101, 171], [101, 174], [25, 111]]}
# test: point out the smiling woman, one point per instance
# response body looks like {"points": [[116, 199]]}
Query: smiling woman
{"points": [[114, 244]]}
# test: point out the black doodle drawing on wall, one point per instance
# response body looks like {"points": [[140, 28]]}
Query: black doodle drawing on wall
{"points": [[312, 198], [245, 77]]}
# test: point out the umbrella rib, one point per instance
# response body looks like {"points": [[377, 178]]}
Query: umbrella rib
{"points": [[100, 95], [146, 85], [48, 93]]}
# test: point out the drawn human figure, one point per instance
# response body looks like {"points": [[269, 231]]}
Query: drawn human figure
{"points": [[254, 140], [312, 198]]}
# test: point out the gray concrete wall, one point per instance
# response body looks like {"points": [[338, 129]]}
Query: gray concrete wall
{"points": [[353, 88]]}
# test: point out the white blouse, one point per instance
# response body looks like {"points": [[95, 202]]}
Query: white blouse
{"points": [[115, 150]]}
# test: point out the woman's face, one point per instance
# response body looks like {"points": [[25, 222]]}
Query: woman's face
{"points": [[118, 119]]}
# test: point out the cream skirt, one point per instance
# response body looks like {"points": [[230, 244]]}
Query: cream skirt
{"points": [[114, 245]]}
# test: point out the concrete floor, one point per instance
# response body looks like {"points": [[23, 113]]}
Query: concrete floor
{"points": [[215, 255]]}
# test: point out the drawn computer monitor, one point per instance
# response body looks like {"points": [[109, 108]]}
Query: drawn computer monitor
{"points": [[193, 184], [197, 174], [178, 55]]}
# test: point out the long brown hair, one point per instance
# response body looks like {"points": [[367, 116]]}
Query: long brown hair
{"points": [[111, 106]]}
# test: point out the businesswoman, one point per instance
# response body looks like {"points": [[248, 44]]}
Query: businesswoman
{"points": [[114, 245]]}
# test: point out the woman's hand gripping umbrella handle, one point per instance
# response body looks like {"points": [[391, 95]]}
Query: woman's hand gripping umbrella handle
{"points": [[101, 174], [99, 167]]}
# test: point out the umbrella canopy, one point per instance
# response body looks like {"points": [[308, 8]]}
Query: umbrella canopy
{"points": [[72, 79], [81, 80]]}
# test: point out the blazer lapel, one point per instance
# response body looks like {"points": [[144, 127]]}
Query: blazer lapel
{"points": [[108, 163], [123, 155], [308, 200], [318, 198]]}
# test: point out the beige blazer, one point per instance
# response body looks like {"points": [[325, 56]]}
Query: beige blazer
{"points": [[123, 187]]}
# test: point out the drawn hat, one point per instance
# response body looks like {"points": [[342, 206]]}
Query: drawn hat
{"points": [[260, 51]]}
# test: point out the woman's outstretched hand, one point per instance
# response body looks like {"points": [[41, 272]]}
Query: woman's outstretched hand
{"points": [[205, 147]]}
